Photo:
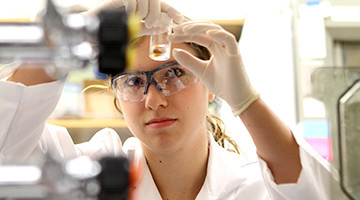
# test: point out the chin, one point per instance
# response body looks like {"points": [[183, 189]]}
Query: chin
{"points": [[167, 145]]}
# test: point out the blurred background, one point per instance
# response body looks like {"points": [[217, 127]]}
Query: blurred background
{"points": [[282, 43]]}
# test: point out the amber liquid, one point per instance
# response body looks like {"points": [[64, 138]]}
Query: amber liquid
{"points": [[160, 52]]}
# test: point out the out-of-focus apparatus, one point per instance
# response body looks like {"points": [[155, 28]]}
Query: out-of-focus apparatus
{"points": [[78, 179], [339, 89], [68, 40]]}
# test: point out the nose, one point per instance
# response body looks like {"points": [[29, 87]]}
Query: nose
{"points": [[154, 98]]}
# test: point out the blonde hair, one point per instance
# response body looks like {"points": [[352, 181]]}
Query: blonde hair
{"points": [[218, 130], [214, 124]]}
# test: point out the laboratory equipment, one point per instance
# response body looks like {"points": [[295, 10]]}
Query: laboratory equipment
{"points": [[339, 89], [79, 179], [159, 45], [68, 40], [62, 42]]}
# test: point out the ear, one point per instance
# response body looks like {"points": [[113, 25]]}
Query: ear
{"points": [[211, 97]]}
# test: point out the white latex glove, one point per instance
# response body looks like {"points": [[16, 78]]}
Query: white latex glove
{"points": [[224, 74], [148, 10]]}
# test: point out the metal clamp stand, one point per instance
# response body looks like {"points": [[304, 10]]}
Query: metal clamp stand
{"points": [[69, 41]]}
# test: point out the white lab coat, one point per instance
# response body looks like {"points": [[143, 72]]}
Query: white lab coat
{"points": [[24, 135], [232, 177]]}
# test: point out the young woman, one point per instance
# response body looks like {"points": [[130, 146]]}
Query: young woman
{"points": [[165, 106]]}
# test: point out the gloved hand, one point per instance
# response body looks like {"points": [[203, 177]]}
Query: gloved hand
{"points": [[148, 10], [224, 74]]}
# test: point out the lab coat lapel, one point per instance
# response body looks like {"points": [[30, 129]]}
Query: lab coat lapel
{"points": [[224, 173], [147, 188]]}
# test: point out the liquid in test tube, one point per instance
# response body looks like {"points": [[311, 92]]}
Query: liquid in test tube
{"points": [[159, 45]]}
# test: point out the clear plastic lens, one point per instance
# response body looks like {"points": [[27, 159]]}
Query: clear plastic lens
{"points": [[131, 87]]}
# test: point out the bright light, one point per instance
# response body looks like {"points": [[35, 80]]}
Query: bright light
{"points": [[83, 50], [211, 9], [198, 9], [345, 13], [19, 174], [21, 10], [29, 10], [16, 34], [82, 167]]}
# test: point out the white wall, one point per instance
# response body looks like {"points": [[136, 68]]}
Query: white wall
{"points": [[267, 46], [210, 9]]}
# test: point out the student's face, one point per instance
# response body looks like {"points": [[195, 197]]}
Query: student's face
{"points": [[182, 115]]}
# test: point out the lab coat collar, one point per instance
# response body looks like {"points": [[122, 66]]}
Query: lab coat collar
{"points": [[7, 70], [224, 174], [145, 187]]}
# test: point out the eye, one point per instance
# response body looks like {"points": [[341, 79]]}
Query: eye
{"points": [[133, 81], [174, 73]]}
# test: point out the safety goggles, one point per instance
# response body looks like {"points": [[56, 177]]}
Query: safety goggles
{"points": [[169, 78]]}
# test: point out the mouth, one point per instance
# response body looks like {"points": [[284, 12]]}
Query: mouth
{"points": [[160, 122]]}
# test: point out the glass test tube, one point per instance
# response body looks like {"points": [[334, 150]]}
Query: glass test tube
{"points": [[160, 47]]}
